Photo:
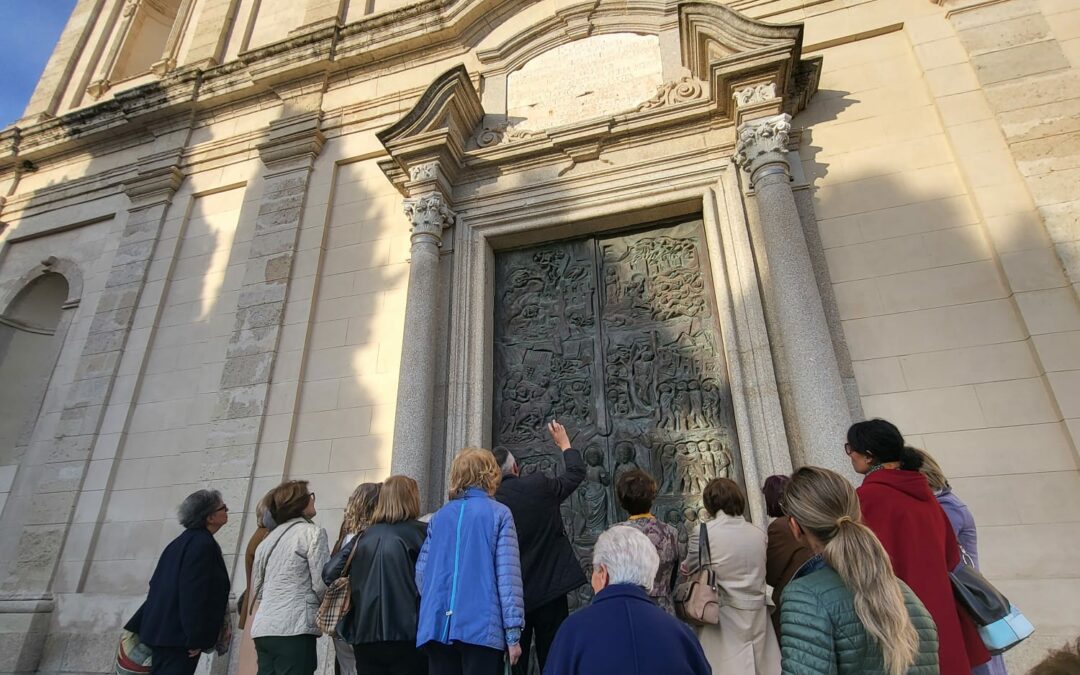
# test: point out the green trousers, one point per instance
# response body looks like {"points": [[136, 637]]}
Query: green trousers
{"points": [[286, 655]]}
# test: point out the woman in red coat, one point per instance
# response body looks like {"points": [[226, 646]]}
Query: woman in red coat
{"points": [[899, 507]]}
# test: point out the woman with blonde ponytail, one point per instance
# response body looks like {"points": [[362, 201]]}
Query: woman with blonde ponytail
{"points": [[845, 611]]}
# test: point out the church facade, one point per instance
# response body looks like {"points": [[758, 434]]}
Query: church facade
{"points": [[253, 240]]}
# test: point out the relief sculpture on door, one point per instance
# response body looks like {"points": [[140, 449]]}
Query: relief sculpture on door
{"points": [[615, 336]]}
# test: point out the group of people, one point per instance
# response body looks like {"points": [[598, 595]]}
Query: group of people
{"points": [[859, 577]]}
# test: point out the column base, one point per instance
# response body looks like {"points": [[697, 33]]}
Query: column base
{"points": [[24, 626]]}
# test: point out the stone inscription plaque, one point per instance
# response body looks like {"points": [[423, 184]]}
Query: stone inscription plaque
{"points": [[615, 336], [586, 79]]}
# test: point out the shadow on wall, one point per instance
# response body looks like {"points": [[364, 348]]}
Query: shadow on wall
{"points": [[937, 342]]}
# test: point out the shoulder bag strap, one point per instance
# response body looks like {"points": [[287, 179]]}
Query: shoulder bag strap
{"points": [[703, 547], [348, 561]]}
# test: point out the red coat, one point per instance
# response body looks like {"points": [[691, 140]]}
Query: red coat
{"points": [[902, 511]]}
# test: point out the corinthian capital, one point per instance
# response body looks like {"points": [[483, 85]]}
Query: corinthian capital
{"points": [[429, 216], [762, 141]]}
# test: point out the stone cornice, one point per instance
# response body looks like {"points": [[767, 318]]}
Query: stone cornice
{"points": [[297, 139], [159, 176]]}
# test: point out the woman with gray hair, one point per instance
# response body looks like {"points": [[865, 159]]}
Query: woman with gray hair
{"points": [[623, 631], [189, 591]]}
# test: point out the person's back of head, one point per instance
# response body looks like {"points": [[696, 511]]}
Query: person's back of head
{"points": [[935, 476], [825, 506], [773, 489], [474, 468], [880, 440], [1064, 661], [359, 508], [399, 500], [635, 491], [505, 459], [723, 495], [624, 555], [289, 500]]}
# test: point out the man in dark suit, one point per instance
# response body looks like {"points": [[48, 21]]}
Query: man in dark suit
{"points": [[549, 568], [189, 591]]}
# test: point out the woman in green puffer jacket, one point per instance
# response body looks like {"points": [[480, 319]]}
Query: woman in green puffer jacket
{"points": [[845, 611]]}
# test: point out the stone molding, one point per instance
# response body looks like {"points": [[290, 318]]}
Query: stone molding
{"points": [[429, 215], [763, 142], [295, 139]]}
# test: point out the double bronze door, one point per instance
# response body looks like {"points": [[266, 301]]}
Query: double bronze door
{"points": [[615, 336]]}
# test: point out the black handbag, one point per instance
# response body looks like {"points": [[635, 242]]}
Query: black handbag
{"points": [[978, 596]]}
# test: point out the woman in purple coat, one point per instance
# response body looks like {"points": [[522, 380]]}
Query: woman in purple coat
{"points": [[963, 524]]}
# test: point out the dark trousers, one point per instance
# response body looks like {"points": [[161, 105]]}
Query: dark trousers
{"points": [[390, 658], [286, 655], [544, 621], [462, 659], [172, 661]]}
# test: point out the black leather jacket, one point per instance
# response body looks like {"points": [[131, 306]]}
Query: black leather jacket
{"points": [[384, 596]]}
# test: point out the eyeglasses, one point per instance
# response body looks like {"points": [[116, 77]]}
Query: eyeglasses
{"points": [[223, 507]]}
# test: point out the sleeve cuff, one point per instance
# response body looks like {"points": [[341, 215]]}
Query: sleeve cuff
{"points": [[513, 636]]}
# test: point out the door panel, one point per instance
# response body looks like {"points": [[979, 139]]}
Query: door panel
{"points": [[615, 336]]}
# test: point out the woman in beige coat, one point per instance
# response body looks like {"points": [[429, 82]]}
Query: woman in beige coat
{"points": [[744, 641]]}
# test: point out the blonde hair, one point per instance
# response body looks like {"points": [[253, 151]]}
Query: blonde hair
{"points": [[358, 511], [474, 467], [399, 500], [824, 504], [932, 470]]}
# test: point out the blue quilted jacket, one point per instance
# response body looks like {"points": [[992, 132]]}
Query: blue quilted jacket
{"points": [[469, 575]]}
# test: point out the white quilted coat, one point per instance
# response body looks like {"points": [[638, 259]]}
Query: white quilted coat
{"points": [[289, 585]]}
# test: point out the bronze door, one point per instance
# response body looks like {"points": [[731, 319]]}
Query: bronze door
{"points": [[615, 336]]}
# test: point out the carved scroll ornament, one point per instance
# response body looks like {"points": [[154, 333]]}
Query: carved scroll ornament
{"points": [[671, 93]]}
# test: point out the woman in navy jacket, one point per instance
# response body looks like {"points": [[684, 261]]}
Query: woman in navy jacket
{"points": [[189, 592], [623, 632], [469, 575]]}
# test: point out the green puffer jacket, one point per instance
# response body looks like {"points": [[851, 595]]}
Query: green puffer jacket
{"points": [[820, 632]]}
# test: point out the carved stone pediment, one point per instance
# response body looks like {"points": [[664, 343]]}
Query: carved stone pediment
{"points": [[731, 51], [436, 129]]}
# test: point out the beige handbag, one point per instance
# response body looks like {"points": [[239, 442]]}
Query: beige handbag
{"points": [[697, 601]]}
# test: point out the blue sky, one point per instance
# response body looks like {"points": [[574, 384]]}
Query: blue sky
{"points": [[29, 30]]}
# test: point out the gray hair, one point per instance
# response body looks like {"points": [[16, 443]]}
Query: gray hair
{"points": [[628, 556], [197, 507]]}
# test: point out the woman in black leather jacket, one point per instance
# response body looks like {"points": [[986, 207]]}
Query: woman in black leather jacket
{"points": [[381, 624]]}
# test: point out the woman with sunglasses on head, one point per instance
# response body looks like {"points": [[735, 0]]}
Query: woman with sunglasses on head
{"points": [[287, 583], [845, 611], [899, 507]]}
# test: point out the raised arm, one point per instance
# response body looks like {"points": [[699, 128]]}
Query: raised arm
{"points": [[566, 482]]}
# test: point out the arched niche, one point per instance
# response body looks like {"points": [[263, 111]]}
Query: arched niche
{"points": [[33, 325]]}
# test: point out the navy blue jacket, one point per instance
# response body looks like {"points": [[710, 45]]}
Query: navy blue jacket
{"points": [[188, 594], [549, 568], [623, 633]]}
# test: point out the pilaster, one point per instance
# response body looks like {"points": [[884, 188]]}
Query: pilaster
{"points": [[232, 445]]}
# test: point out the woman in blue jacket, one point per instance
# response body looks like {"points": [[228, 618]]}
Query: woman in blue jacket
{"points": [[469, 575]]}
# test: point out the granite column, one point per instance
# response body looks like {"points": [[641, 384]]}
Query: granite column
{"points": [[429, 215], [816, 404]]}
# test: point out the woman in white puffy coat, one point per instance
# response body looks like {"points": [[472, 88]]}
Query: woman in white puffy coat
{"points": [[287, 583]]}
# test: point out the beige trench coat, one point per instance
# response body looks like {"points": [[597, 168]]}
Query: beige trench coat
{"points": [[744, 641]]}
